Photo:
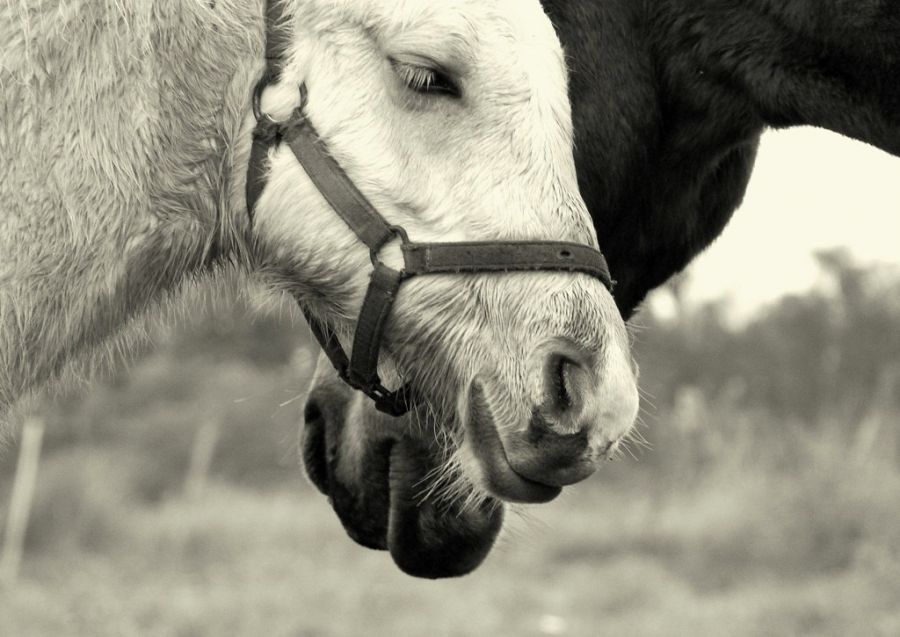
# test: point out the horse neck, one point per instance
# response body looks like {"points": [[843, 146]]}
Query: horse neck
{"points": [[128, 127], [829, 64], [702, 80]]}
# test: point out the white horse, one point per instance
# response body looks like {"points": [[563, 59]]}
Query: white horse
{"points": [[125, 134]]}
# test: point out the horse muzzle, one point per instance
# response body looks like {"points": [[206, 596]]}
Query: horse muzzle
{"points": [[576, 426]]}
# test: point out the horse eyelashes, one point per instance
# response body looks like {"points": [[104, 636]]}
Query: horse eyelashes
{"points": [[417, 78], [423, 79]]}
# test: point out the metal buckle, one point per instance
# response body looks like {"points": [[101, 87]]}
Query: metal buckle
{"points": [[379, 392], [392, 403]]}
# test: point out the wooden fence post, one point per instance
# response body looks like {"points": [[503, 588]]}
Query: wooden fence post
{"points": [[20, 501], [202, 452]]}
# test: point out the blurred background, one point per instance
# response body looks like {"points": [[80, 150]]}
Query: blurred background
{"points": [[765, 500]]}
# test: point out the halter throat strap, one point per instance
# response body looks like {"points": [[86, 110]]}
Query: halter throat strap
{"points": [[360, 369]]}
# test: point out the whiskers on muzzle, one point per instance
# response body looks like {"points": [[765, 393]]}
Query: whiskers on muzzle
{"points": [[450, 487]]}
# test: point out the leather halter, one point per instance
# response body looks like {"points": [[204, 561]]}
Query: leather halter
{"points": [[360, 369]]}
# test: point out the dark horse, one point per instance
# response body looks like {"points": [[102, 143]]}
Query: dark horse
{"points": [[670, 98]]}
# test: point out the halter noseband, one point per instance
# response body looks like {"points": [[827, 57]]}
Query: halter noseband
{"points": [[360, 369]]}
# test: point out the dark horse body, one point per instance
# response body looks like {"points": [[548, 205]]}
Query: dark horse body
{"points": [[669, 100]]}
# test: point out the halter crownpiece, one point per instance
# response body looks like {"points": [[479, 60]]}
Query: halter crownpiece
{"points": [[360, 369]]}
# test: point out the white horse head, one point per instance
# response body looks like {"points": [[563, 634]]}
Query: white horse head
{"points": [[453, 119]]}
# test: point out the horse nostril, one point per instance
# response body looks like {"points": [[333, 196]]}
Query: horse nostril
{"points": [[561, 391], [312, 413]]}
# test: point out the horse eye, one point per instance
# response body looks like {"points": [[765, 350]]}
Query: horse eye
{"points": [[425, 79]]}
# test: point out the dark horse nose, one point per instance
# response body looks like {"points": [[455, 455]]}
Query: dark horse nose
{"points": [[556, 447]]}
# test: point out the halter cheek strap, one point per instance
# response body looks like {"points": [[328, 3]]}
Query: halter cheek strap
{"points": [[360, 369]]}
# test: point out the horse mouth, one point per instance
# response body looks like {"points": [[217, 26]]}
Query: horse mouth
{"points": [[484, 443]]}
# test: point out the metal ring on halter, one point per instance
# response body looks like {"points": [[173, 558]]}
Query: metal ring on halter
{"points": [[261, 86], [264, 81], [397, 232]]}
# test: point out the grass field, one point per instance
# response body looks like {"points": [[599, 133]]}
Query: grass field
{"points": [[731, 525], [739, 551]]}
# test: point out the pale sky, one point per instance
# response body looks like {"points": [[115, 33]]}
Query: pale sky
{"points": [[811, 189]]}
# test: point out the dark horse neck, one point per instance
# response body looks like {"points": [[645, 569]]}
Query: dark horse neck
{"points": [[670, 98]]}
